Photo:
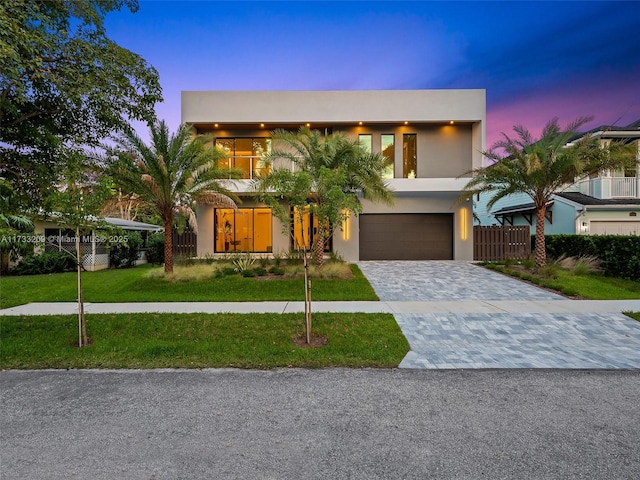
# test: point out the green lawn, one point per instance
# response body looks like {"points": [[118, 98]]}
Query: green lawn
{"points": [[131, 285], [200, 341], [596, 287], [591, 287]]}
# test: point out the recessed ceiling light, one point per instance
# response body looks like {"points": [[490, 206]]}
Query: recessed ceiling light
{"points": [[262, 125], [406, 123], [308, 124], [359, 123], [215, 125]]}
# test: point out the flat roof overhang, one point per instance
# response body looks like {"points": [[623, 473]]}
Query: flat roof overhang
{"points": [[333, 106], [212, 127]]}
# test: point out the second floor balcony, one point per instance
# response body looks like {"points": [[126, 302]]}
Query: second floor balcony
{"points": [[609, 187]]}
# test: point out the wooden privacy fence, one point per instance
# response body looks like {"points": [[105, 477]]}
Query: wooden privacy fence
{"points": [[185, 244], [499, 243]]}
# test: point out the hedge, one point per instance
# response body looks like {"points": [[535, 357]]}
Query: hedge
{"points": [[619, 254]]}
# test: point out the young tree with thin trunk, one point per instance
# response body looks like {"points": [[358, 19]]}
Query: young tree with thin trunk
{"points": [[76, 204], [542, 167], [170, 174]]}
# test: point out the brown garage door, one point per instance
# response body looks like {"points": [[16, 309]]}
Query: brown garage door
{"points": [[406, 236]]}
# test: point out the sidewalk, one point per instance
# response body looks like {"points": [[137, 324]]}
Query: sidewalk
{"points": [[394, 307]]}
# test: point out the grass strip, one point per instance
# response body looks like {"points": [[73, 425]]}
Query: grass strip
{"points": [[259, 341], [634, 315], [131, 285], [591, 287]]}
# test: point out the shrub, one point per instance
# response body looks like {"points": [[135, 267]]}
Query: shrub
{"points": [[276, 270], [229, 271], [248, 273], [586, 265], [528, 262], [155, 248], [243, 263], [509, 262], [336, 257], [45, 263], [550, 271], [260, 271], [125, 254], [277, 258], [619, 254]]}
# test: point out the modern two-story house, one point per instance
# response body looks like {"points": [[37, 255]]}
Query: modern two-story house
{"points": [[607, 203], [430, 137]]}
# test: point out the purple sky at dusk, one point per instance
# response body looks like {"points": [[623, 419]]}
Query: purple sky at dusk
{"points": [[536, 60]]}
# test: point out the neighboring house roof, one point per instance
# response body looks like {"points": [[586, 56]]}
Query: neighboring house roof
{"points": [[583, 199], [612, 131], [131, 225], [527, 210], [116, 222], [522, 208]]}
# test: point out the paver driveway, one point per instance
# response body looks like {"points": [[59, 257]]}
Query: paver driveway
{"points": [[527, 339]]}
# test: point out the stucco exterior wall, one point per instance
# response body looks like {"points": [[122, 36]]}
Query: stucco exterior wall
{"points": [[450, 129]]}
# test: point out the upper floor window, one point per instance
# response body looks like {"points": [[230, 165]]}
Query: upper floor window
{"points": [[410, 155], [387, 148], [245, 154], [365, 141]]}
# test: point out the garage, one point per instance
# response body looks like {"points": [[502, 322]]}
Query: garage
{"points": [[614, 228], [406, 236]]}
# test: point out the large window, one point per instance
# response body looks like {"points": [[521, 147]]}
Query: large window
{"points": [[245, 153], [410, 155], [243, 230], [387, 148]]}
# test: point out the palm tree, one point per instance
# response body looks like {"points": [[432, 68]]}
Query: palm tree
{"points": [[539, 168], [330, 173], [169, 174]]}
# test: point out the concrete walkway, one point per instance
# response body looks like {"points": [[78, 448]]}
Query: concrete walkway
{"points": [[454, 315], [399, 308]]}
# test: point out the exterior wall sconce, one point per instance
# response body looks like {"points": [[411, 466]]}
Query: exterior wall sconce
{"points": [[464, 234], [584, 227], [345, 226]]}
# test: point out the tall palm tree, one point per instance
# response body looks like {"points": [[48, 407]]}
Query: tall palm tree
{"points": [[539, 168], [170, 174], [330, 173]]}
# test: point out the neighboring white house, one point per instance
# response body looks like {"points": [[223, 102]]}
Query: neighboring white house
{"points": [[431, 136], [93, 244], [605, 204]]}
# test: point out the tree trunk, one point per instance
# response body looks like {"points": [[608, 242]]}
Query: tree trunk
{"points": [[82, 326], [540, 249], [307, 298], [168, 247]]}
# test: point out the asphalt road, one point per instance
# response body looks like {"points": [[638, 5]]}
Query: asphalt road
{"points": [[319, 424]]}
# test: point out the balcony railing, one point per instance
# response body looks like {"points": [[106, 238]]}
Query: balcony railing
{"points": [[250, 166], [610, 187], [624, 187]]}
